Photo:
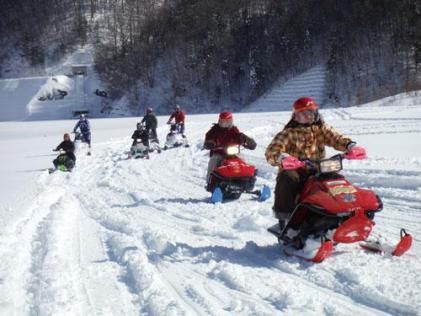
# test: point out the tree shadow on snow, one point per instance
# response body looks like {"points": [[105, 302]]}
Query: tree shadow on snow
{"points": [[32, 170], [251, 254], [43, 155], [183, 201]]}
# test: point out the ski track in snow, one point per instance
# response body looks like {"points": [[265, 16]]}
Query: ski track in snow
{"points": [[139, 237]]}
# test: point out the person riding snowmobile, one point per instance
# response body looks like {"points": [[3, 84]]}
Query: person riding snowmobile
{"points": [[179, 117], [219, 136], [85, 129], [141, 133], [304, 137], [69, 148], [151, 123]]}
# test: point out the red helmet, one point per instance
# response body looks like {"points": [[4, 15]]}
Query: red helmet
{"points": [[304, 104], [149, 110], [225, 119], [225, 116]]}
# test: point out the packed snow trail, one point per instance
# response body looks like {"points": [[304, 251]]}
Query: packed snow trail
{"points": [[130, 237]]}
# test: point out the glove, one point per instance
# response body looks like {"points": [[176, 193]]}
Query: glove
{"points": [[292, 163], [350, 146], [55, 149], [247, 142], [209, 145], [355, 153]]}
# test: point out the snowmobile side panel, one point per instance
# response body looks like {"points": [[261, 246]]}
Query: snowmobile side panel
{"points": [[354, 229]]}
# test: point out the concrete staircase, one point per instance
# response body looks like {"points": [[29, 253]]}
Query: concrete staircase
{"points": [[282, 95]]}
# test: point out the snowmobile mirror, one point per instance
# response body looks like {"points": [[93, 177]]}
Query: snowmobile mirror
{"points": [[333, 164], [232, 150]]}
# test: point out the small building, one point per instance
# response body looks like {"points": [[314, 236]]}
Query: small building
{"points": [[79, 70]]}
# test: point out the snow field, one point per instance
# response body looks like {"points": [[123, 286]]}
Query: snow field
{"points": [[139, 237]]}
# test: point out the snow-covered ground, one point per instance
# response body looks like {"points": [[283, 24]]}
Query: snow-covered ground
{"points": [[139, 237]]}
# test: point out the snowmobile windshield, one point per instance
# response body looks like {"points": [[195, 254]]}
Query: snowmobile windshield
{"points": [[333, 164], [232, 150]]}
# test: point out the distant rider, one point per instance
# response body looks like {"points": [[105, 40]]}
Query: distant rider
{"points": [[141, 133], [303, 137], [68, 147], [179, 117], [151, 123], [220, 135], [85, 129]]}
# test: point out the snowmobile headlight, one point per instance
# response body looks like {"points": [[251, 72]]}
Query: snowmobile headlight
{"points": [[233, 150], [330, 165]]}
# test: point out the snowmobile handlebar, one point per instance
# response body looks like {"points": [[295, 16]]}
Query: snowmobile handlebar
{"points": [[60, 151], [332, 164]]}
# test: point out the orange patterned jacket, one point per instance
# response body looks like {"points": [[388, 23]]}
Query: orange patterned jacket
{"points": [[305, 141]]}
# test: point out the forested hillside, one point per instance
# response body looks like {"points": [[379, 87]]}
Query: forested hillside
{"points": [[207, 54]]}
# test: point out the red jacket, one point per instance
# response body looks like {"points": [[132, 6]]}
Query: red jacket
{"points": [[221, 137], [178, 116]]}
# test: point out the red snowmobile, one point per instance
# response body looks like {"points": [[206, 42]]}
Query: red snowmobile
{"points": [[234, 177], [330, 210]]}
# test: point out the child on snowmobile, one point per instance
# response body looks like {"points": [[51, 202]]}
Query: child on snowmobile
{"points": [[141, 133], [219, 136], [85, 129], [304, 137], [179, 117], [69, 148], [151, 123]]}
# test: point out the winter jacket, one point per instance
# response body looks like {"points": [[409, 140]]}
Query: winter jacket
{"points": [[222, 137], [305, 141], [67, 145], [84, 126], [150, 121], [179, 117]]}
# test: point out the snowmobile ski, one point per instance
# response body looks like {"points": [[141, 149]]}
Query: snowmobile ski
{"points": [[377, 246], [318, 251], [264, 194], [315, 255], [217, 196]]}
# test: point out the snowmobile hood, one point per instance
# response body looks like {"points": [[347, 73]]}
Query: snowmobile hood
{"points": [[235, 168], [339, 196]]}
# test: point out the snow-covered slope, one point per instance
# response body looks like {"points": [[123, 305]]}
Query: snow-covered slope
{"points": [[139, 237], [283, 94]]}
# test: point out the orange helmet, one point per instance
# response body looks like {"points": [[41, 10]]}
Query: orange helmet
{"points": [[304, 104]]}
